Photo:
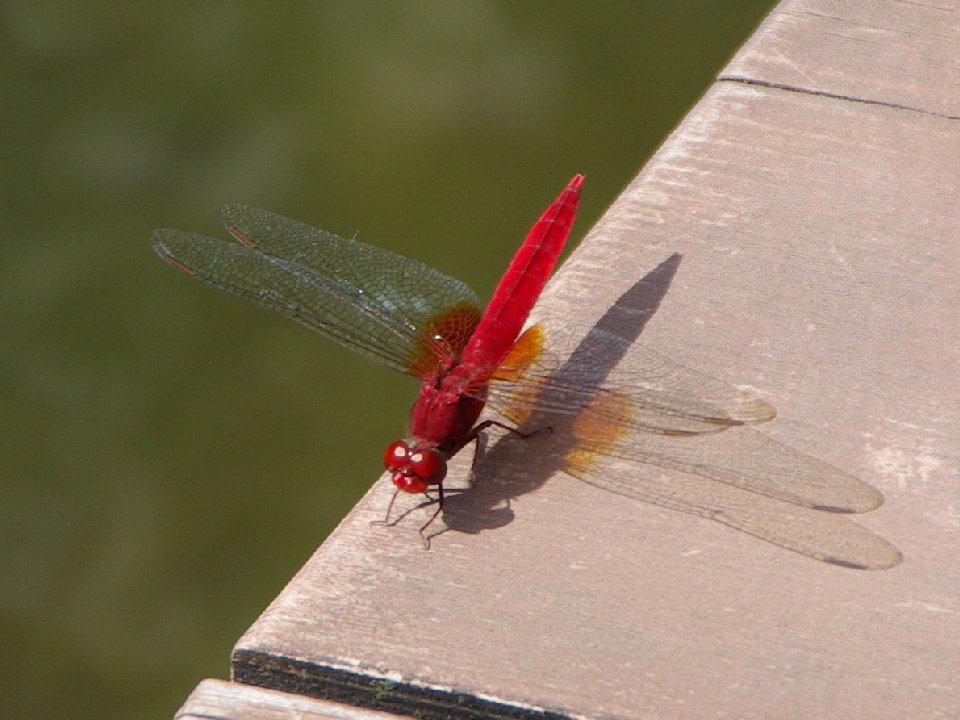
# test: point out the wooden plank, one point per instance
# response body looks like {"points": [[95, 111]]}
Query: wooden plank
{"points": [[807, 248], [906, 54], [235, 701]]}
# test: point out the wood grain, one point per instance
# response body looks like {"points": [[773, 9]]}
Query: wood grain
{"points": [[816, 242]]}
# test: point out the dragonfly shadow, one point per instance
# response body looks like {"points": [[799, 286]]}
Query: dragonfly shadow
{"points": [[519, 466]]}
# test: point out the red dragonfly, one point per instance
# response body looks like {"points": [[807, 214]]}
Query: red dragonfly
{"points": [[418, 321]]}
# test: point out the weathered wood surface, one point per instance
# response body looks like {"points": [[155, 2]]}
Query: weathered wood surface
{"points": [[903, 54], [812, 197], [234, 701]]}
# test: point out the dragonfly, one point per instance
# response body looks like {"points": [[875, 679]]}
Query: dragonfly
{"points": [[418, 321]]}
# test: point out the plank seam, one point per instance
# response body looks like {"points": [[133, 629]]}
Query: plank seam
{"points": [[822, 93]]}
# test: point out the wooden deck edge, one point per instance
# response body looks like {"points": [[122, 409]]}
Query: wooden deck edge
{"points": [[224, 700], [371, 691]]}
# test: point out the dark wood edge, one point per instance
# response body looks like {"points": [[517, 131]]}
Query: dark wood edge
{"points": [[300, 677]]}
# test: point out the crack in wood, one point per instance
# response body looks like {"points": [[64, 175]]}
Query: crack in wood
{"points": [[743, 80]]}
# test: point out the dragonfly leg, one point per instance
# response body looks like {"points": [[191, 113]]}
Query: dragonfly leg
{"points": [[478, 451], [514, 431], [478, 435], [386, 517], [423, 536]]}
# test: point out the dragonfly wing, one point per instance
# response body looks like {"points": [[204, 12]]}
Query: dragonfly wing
{"points": [[614, 399], [742, 458], [826, 536], [643, 388], [664, 396], [380, 304]]}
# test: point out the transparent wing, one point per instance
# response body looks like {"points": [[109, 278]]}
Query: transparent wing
{"points": [[394, 310], [787, 519], [616, 384], [686, 447]]}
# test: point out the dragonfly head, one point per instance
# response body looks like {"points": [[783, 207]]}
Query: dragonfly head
{"points": [[414, 468]]}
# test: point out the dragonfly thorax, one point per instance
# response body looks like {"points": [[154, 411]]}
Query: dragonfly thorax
{"points": [[414, 468], [444, 413]]}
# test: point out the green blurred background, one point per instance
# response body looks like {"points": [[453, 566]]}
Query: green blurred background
{"points": [[169, 456]]}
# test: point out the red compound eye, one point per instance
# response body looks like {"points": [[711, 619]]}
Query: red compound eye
{"points": [[396, 455], [428, 465], [414, 469]]}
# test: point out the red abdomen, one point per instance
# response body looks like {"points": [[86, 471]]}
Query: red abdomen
{"points": [[523, 281], [452, 398]]}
